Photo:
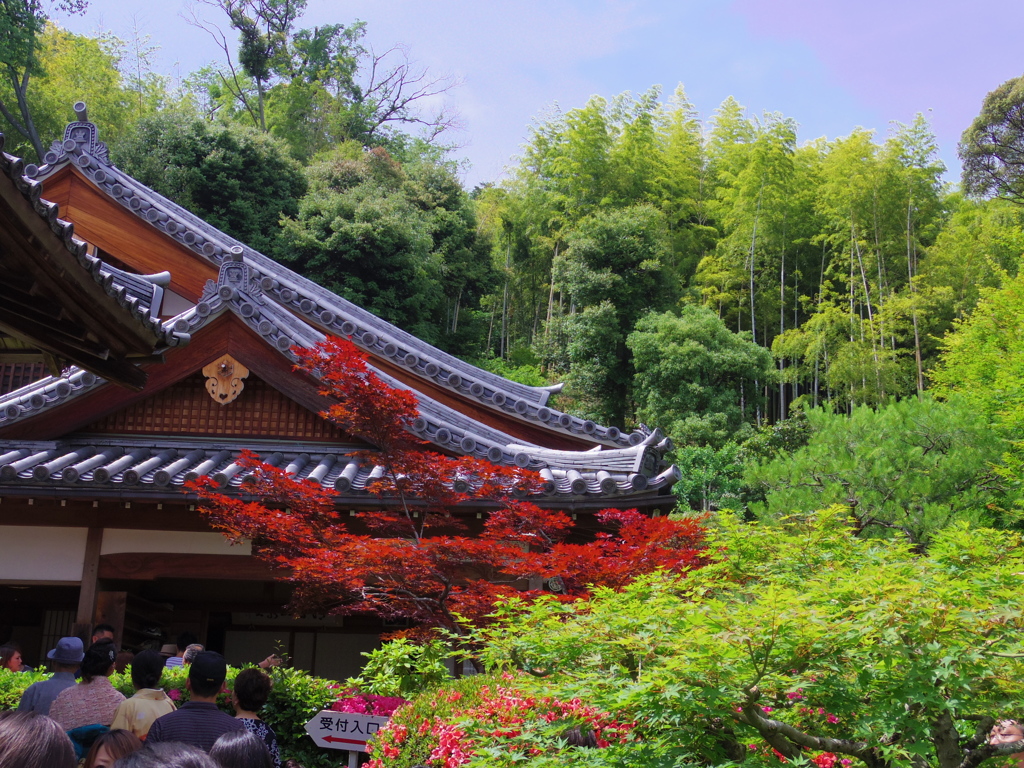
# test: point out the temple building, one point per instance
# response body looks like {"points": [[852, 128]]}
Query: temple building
{"points": [[141, 347]]}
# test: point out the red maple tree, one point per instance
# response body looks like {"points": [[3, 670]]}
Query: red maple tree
{"points": [[415, 559]]}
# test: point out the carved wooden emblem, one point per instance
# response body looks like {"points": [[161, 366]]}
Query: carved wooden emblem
{"points": [[224, 379]]}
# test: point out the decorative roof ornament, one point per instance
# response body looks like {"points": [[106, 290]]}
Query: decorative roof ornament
{"points": [[224, 379], [81, 135], [236, 276]]}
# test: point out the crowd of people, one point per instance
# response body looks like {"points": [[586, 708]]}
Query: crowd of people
{"points": [[76, 717]]}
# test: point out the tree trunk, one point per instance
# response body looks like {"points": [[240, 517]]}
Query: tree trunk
{"points": [[26, 126]]}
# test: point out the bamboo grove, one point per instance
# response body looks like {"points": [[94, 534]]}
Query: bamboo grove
{"points": [[848, 259]]}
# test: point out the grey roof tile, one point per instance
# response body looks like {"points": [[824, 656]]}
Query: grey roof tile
{"points": [[117, 462]]}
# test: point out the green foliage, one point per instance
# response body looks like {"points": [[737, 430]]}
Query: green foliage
{"points": [[236, 179], [402, 668], [694, 377], [66, 68], [912, 467], [417, 743], [13, 684], [527, 372], [712, 478], [399, 241], [612, 271], [295, 697], [983, 359], [992, 148], [804, 624], [490, 721]]}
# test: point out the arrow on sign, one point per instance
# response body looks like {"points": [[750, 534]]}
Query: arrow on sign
{"points": [[337, 740]]}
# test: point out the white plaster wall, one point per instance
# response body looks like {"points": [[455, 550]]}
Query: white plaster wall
{"points": [[179, 542], [174, 304], [33, 553]]}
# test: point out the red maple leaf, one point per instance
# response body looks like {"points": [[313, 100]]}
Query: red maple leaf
{"points": [[412, 557]]}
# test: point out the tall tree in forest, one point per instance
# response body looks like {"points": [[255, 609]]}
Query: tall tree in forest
{"points": [[695, 378], [682, 187], [612, 273], [237, 179], [992, 148], [400, 241], [318, 87], [914, 150], [21, 27]]}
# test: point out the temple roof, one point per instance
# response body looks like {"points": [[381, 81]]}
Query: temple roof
{"points": [[285, 310], [56, 296]]}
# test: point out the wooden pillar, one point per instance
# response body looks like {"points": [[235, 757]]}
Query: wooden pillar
{"points": [[87, 592]]}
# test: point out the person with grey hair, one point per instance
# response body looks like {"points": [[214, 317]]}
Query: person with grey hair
{"points": [[65, 659], [190, 654], [32, 740]]}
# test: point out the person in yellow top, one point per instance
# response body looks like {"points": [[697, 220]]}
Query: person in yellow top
{"points": [[149, 702]]}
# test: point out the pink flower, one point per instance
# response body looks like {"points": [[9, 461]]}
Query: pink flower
{"points": [[174, 694], [832, 719]]}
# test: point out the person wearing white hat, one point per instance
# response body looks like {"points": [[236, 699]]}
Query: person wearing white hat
{"points": [[65, 659]]}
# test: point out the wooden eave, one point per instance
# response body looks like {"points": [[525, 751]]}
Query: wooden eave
{"points": [[110, 227], [50, 301]]}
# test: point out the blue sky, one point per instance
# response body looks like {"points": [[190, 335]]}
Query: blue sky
{"points": [[832, 65]]}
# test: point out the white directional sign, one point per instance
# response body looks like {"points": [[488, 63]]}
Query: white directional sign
{"points": [[344, 730]]}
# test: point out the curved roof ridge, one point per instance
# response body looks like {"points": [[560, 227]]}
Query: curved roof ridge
{"points": [[322, 308]]}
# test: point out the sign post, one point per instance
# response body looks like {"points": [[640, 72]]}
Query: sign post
{"points": [[345, 730]]}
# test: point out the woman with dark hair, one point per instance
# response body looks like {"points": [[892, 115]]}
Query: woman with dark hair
{"points": [[10, 658], [240, 749], [111, 747], [249, 693], [94, 700], [32, 740], [167, 754], [138, 713]]}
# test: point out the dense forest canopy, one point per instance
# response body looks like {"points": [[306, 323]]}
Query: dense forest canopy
{"points": [[711, 276]]}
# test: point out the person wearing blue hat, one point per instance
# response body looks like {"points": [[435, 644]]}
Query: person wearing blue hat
{"points": [[64, 659]]}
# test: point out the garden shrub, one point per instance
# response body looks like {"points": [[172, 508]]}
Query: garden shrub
{"points": [[402, 668], [13, 684], [487, 721]]}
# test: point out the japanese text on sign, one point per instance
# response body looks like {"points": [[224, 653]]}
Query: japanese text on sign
{"points": [[344, 730]]}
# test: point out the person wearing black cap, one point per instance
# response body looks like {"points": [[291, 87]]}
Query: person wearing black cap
{"points": [[65, 659], [198, 722]]}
